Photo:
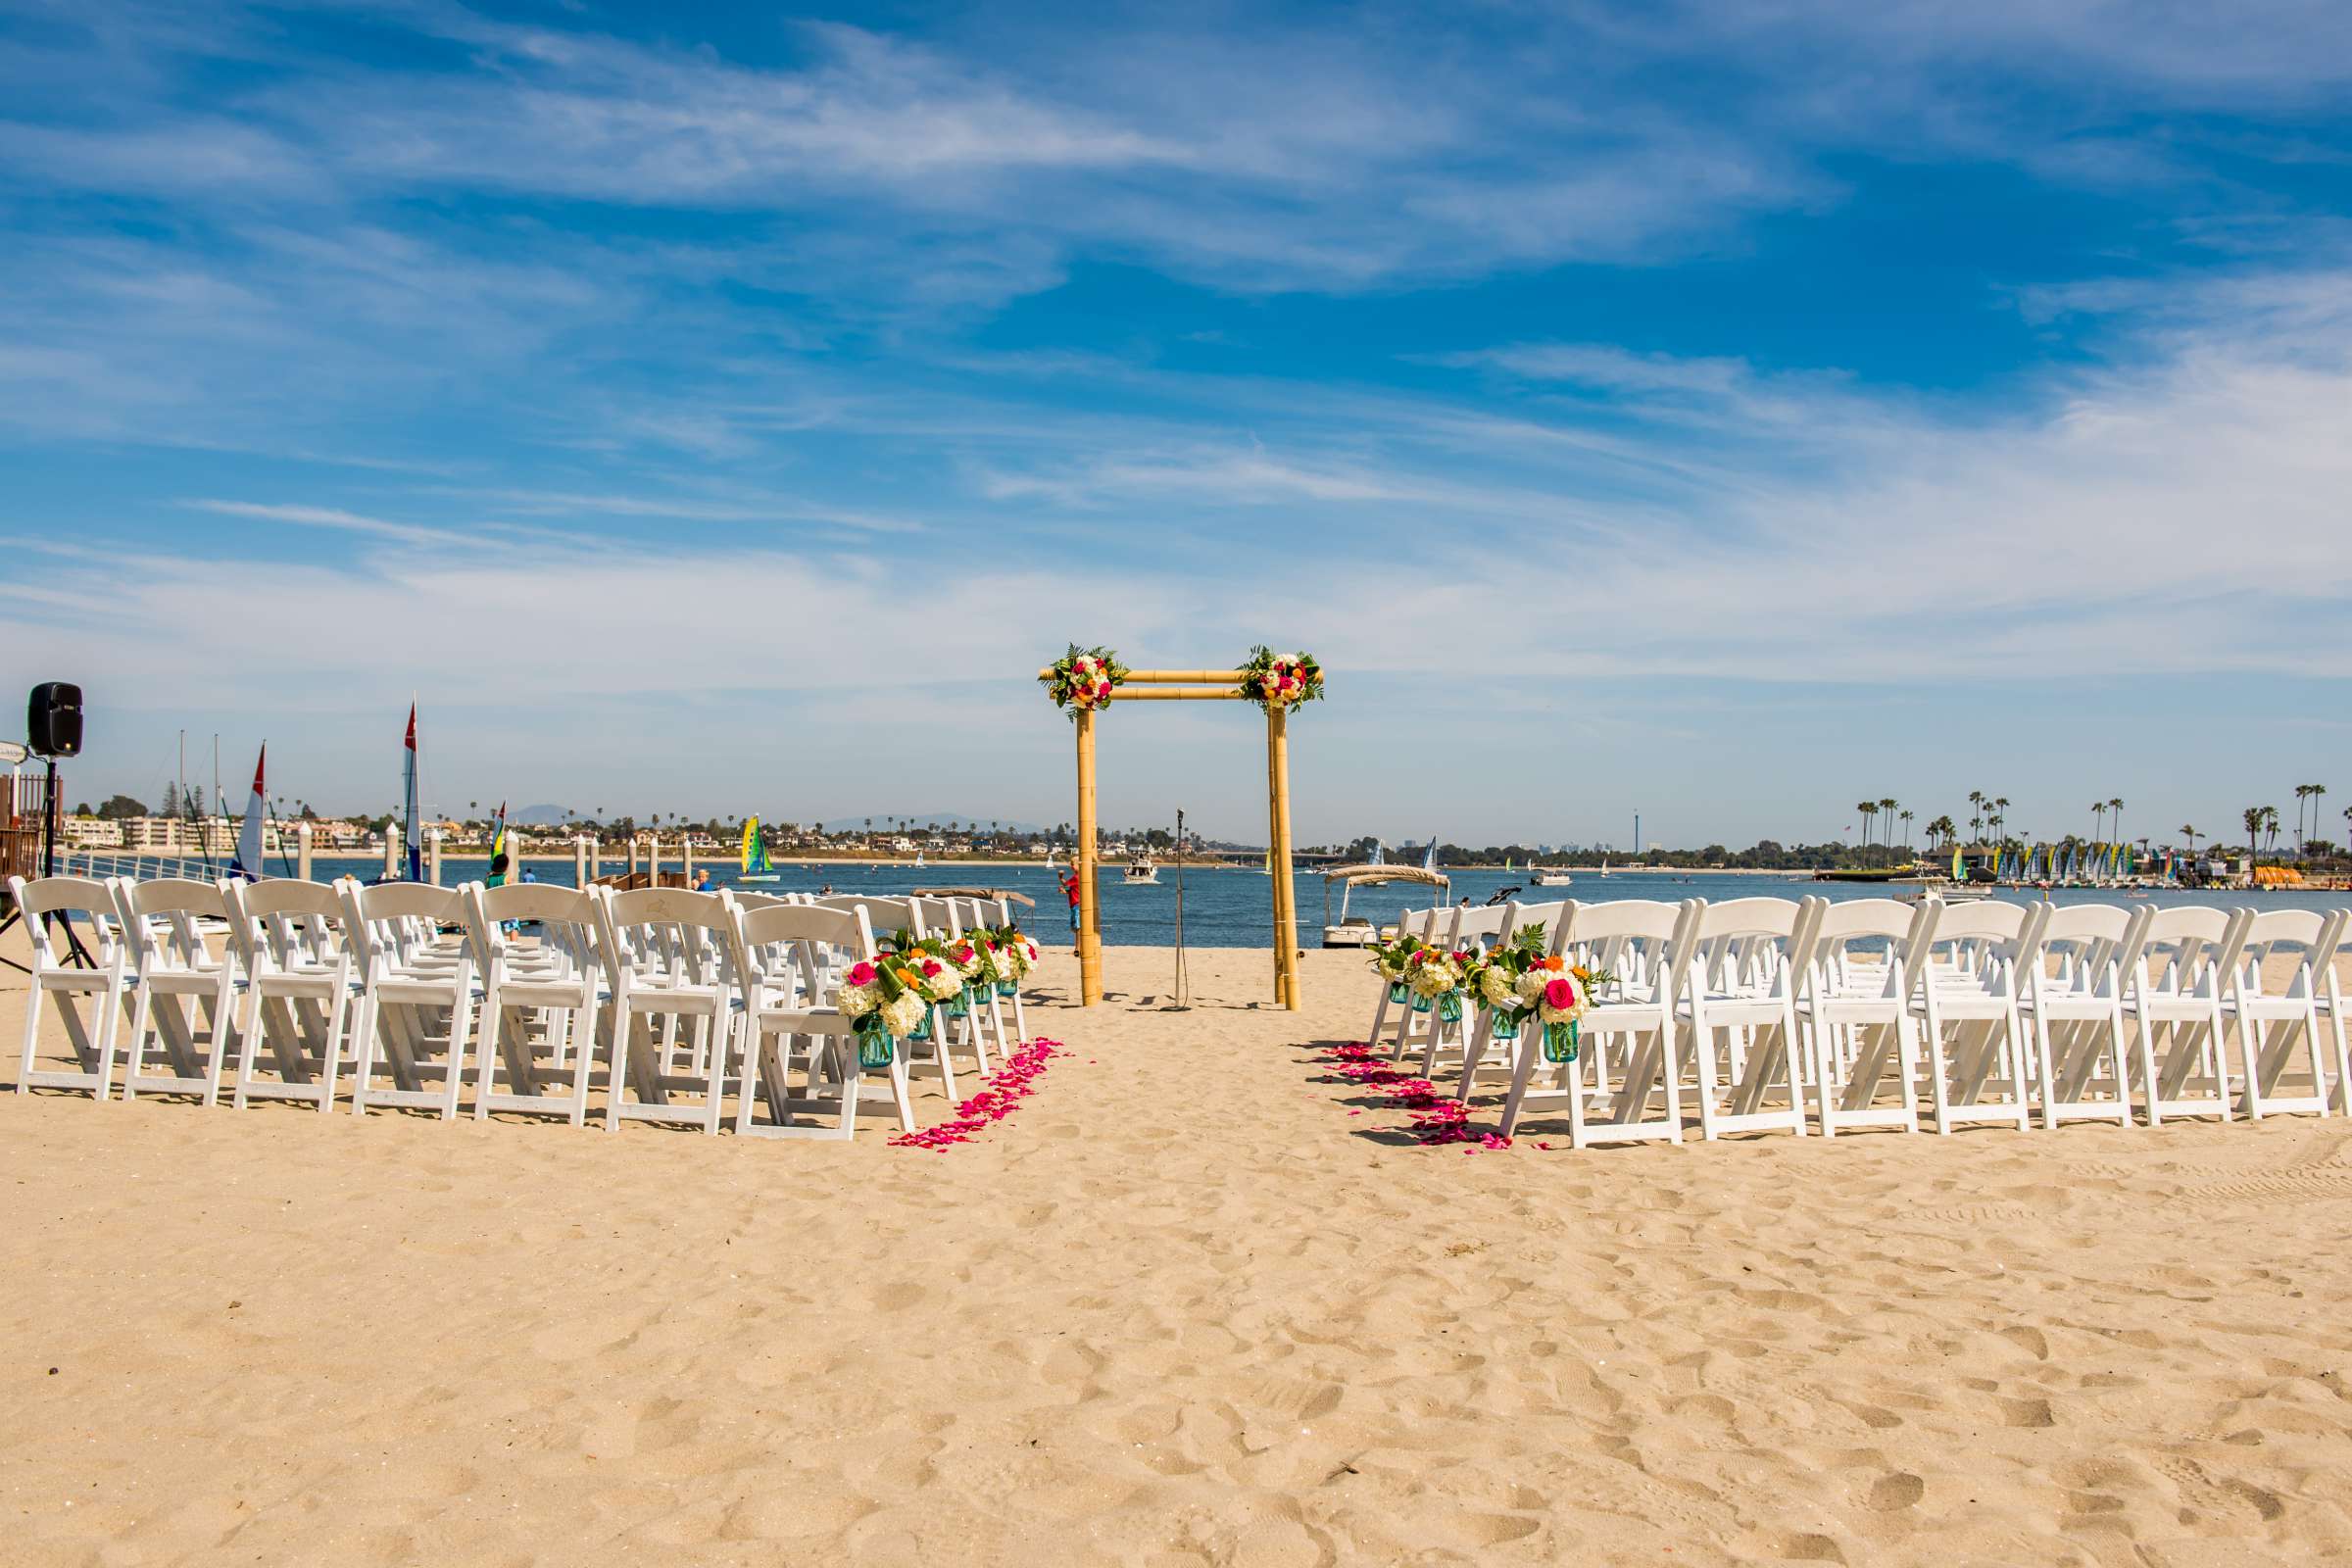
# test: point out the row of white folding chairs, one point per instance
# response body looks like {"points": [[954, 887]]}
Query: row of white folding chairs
{"points": [[388, 982], [1987, 1011]]}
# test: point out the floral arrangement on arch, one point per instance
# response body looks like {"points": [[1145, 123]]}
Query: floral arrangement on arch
{"points": [[1083, 679], [1281, 681]]}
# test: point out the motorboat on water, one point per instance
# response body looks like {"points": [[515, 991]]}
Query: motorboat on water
{"points": [[1550, 876], [1345, 930], [1141, 873]]}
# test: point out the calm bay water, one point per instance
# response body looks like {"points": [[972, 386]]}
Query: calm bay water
{"points": [[1230, 908]]}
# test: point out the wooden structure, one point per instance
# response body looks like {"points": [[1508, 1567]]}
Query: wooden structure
{"points": [[1180, 686]]}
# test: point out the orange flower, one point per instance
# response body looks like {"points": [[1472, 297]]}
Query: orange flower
{"points": [[1555, 963], [908, 977]]}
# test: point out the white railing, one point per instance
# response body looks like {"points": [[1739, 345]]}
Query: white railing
{"points": [[137, 867]]}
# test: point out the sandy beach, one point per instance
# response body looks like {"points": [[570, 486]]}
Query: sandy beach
{"points": [[1197, 1301]]}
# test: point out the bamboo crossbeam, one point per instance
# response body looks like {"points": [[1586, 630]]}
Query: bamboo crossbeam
{"points": [[1180, 677], [1179, 694], [1169, 677]]}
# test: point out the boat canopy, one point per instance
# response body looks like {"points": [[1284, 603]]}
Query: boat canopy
{"points": [[991, 894], [1371, 875]]}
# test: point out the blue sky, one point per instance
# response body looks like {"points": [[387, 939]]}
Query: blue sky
{"points": [[1726, 413]]}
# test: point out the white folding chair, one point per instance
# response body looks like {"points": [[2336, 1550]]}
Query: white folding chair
{"points": [[301, 989], [52, 906], [1966, 982], [2173, 994], [1630, 1020], [2278, 1021], [792, 1003], [974, 1018], [2073, 991], [887, 918], [540, 1002], [417, 994], [1853, 1003], [181, 995], [1413, 924], [1477, 931], [683, 972], [1737, 977], [1417, 1019]]}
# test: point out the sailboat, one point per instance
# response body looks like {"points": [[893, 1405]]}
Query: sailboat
{"points": [[755, 855], [247, 862], [412, 865], [1429, 857]]}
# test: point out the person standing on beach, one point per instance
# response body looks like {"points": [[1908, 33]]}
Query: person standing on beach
{"points": [[1070, 888]]}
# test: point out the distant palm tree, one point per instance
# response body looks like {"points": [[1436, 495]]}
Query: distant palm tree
{"points": [[1976, 814], [1868, 810], [2098, 817], [1942, 829], [1906, 829], [2115, 824], [2191, 835], [2253, 820], [2269, 825], [2000, 812], [1887, 805]]}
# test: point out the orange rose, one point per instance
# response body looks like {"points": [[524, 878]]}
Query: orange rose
{"points": [[1555, 963]]}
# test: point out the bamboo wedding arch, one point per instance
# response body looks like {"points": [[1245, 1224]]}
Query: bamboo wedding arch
{"points": [[1087, 680]]}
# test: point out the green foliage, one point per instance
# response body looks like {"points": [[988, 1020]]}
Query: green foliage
{"points": [[1074, 689], [1263, 679]]}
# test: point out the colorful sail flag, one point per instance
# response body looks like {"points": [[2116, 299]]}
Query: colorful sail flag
{"points": [[248, 863], [754, 848], [416, 829], [498, 847]]}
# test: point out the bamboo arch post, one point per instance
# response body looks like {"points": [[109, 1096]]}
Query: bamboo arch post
{"points": [[1180, 686]]}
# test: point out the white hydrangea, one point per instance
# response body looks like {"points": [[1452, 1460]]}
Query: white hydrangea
{"points": [[1495, 987], [944, 985], [855, 1002], [903, 1013], [1436, 976], [1530, 985]]}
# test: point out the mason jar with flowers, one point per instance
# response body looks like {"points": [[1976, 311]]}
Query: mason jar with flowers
{"points": [[884, 1003]]}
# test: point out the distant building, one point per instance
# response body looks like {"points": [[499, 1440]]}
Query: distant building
{"points": [[93, 833]]}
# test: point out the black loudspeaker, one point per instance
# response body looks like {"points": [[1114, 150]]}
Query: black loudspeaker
{"points": [[53, 719]]}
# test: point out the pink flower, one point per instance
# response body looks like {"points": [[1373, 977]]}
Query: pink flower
{"points": [[1560, 994], [862, 974], [931, 966]]}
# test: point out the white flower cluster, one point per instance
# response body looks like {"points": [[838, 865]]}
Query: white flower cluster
{"points": [[902, 1015], [1496, 988], [1436, 975], [944, 984], [855, 1002]]}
